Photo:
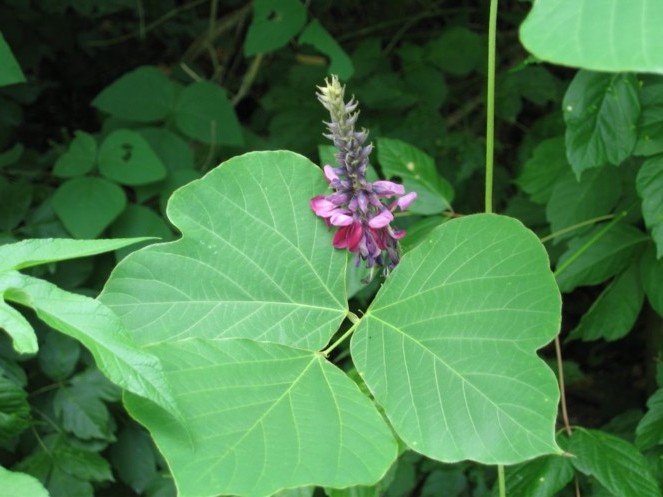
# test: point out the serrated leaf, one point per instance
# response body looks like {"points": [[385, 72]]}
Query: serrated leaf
{"points": [[86, 206], [614, 312], [28, 253], [274, 23], [418, 173], [13, 484], [288, 414], [541, 477], [614, 462], [604, 258], [98, 329], [540, 172], [649, 183], [651, 272], [143, 95], [650, 429], [79, 158], [317, 36], [650, 127], [574, 201], [82, 413], [253, 260], [204, 113], [448, 345], [601, 112], [125, 157], [595, 34], [14, 409], [10, 71]]}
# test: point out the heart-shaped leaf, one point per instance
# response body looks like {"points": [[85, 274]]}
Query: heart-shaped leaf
{"points": [[126, 157], [448, 345]]}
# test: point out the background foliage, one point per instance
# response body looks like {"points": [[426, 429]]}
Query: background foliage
{"points": [[125, 102]]}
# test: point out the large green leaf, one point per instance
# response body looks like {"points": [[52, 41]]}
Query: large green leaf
{"points": [[601, 112], [603, 35], [13, 484], [650, 429], [542, 477], [98, 329], [614, 462], [448, 345], [274, 23], [253, 261], [649, 184], [263, 417]]}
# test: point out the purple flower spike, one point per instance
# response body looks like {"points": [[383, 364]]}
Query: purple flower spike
{"points": [[355, 206]]}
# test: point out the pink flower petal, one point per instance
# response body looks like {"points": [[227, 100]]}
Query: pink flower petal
{"points": [[381, 220], [329, 173], [387, 188], [405, 201], [340, 218], [321, 206]]}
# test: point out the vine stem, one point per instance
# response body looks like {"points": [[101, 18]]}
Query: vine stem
{"points": [[490, 105], [501, 481], [577, 226], [354, 319]]}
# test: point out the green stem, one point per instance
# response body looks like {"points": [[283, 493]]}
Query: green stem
{"points": [[490, 105], [500, 480], [574, 227], [354, 319], [564, 266]]}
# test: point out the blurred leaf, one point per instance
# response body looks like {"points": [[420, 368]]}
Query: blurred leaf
{"points": [[458, 51], [173, 151], [11, 156], [448, 482], [10, 71], [82, 413], [133, 458], [615, 463], [15, 484], [533, 83], [143, 95], [447, 345], [547, 164], [79, 158], [540, 477], [651, 272], [574, 201], [274, 23], [614, 312], [58, 355], [125, 157], [87, 205], [136, 220], [601, 112], [14, 410], [15, 200], [597, 35], [316, 35], [650, 429], [649, 183], [418, 173], [204, 113], [650, 128], [421, 231]]}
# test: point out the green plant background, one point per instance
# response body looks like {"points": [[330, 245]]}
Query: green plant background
{"points": [[109, 107]]}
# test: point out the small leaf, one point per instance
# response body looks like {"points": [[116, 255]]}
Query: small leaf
{"points": [[614, 462], [540, 172], [615, 311], [15, 200], [602, 36], [139, 220], [650, 128], [649, 183], [99, 330], [274, 23], [125, 157], [173, 151], [448, 345], [14, 409], [82, 413], [87, 206], [287, 414], [574, 201], [609, 255], [143, 95], [650, 429], [79, 158], [651, 272], [10, 71], [418, 172], [14, 483], [11, 156], [133, 458], [541, 477], [204, 113], [28, 253], [58, 356], [316, 35], [458, 51], [601, 111]]}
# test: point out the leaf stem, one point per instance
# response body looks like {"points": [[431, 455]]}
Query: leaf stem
{"points": [[354, 319], [574, 227], [501, 480], [564, 266], [562, 388], [490, 105]]}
